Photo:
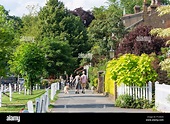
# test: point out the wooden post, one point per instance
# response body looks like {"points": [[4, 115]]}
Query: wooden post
{"points": [[115, 93]]}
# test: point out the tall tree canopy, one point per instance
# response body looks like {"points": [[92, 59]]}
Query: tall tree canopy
{"points": [[58, 56], [86, 16], [6, 39], [28, 60], [56, 20], [106, 28]]}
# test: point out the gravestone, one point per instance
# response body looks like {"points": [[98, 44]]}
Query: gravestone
{"points": [[30, 106], [37, 105]]}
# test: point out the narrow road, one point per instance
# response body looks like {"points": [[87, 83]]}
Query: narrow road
{"points": [[89, 103]]}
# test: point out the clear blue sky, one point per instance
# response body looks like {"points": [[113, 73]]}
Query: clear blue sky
{"points": [[18, 7]]}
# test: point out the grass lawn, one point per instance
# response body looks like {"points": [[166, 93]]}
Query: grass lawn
{"points": [[19, 101]]}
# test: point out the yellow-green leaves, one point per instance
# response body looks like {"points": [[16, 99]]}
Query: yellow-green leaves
{"points": [[165, 65], [159, 32], [131, 69], [163, 10]]}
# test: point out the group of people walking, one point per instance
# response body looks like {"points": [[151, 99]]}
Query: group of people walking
{"points": [[79, 82]]}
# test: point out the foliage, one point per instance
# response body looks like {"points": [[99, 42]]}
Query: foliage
{"points": [[140, 41], [74, 31], [131, 69], [124, 101], [127, 101], [30, 27], [163, 10], [28, 60], [56, 20], [165, 65], [109, 83], [128, 5], [165, 33], [86, 16], [107, 28], [160, 32], [58, 56], [93, 72], [6, 40]]}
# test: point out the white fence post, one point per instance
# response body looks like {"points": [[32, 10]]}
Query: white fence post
{"points": [[19, 88], [25, 90], [0, 97], [150, 91], [52, 91], [136, 92], [2, 89], [10, 92], [58, 85], [162, 97]]}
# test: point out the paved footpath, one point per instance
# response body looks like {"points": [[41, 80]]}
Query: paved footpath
{"points": [[89, 103]]}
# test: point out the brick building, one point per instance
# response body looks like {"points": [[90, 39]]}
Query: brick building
{"points": [[147, 16]]}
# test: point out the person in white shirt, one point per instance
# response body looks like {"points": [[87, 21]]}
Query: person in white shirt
{"points": [[83, 80], [77, 83]]}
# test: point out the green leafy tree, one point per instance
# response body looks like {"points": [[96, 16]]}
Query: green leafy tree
{"points": [[56, 20], [132, 70], [74, 31], [165, 33], [28, 60], [6, 40], [58, 56], [128, 5], [107, 28], [160, 32]]}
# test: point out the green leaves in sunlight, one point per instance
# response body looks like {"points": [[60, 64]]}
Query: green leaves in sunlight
{"points": [[131, 69]]}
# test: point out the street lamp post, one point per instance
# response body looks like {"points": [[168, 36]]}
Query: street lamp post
{"points": [[112, 53]]}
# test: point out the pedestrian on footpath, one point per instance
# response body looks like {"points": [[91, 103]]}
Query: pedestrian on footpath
{"points": [[77, 83], [83, 80], [71, 81]]}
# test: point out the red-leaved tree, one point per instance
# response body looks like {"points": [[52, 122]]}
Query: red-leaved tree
{"points": [[139, 41]]}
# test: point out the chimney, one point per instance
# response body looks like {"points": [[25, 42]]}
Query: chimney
{"points": [[136, 9], [158, 2]]}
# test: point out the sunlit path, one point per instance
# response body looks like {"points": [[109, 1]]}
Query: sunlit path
{"points": [[89, 103]]}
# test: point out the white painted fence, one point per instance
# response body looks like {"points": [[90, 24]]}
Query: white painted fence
{"points": [[162, 97], [54, 88], [42, 103], [144, 92]]}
